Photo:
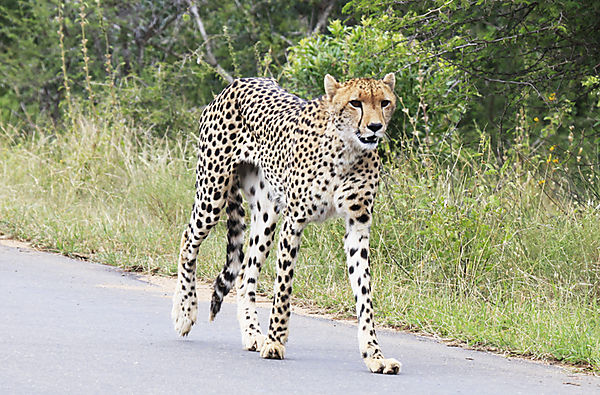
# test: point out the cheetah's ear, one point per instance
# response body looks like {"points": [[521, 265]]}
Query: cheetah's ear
{"points": [[390, 80], [331, 86]]}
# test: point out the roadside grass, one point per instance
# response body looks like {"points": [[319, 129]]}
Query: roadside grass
{"points": [[458, 251]]}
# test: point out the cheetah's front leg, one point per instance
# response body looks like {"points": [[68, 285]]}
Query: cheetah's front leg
{"points": [[264, 215], [356, 245], [289, 244], [262, 230]]}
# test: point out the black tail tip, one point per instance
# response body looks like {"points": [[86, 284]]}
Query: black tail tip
{"points": [[215, 306]]}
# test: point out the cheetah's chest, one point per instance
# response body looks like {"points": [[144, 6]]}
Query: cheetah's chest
{"points": [[321, 203]]}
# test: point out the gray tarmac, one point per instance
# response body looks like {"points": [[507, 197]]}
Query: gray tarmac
{"points": [[69, 326]]}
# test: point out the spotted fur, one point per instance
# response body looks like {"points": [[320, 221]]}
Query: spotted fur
{"points": [[300, 160]]}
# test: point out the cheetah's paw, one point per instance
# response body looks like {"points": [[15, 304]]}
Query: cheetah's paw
{"points": [[272, 350], [184, 313], [253, 341], [383, 365]]}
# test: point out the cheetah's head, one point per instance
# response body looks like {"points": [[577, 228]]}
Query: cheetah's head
{"points": [[361, 108]]}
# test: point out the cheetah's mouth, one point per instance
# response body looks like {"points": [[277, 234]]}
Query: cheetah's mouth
{"points": [[372, 139]]}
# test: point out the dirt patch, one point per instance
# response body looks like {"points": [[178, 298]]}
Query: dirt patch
{"points": [[5, 241]]}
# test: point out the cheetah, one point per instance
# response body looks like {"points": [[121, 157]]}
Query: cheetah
{"points": [[300, 160]]}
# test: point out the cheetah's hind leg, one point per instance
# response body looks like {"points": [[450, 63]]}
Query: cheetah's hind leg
{"points": [[203, 219], [185, 306]]}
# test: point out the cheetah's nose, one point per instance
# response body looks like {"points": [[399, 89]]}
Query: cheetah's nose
{"points": [[374, 127]]}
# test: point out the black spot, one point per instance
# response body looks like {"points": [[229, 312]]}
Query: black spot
{"points": [[363, 218], [364, 253], [353, 251]]}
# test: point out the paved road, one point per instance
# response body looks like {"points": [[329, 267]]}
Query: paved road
{"points": [[78, 327]]}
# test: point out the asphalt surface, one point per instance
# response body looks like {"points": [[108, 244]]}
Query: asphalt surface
{"points": [[69, 326]]}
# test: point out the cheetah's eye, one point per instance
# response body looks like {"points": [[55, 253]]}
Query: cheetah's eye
{"points": [[356, 103], [385, 103]]}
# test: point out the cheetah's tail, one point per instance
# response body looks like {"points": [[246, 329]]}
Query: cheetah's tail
{"points": [[235, 254]]}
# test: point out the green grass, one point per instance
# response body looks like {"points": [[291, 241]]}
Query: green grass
{"points": [[482, 257]]}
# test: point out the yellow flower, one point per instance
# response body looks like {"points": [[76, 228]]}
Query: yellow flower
{"points": [[552, 148], [549, 158], [555, 160], [536, 119], [541, 182], [552, 96]]}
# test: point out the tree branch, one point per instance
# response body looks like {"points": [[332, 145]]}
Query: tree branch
{"points": [[210, 58], [322, 21]]}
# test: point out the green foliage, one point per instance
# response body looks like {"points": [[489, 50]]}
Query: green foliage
{"points": [[519, 54], [148, 56], [29, 60], [154, 101], [433, 95]]}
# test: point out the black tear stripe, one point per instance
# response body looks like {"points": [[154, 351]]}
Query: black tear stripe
{"points": [[359, 121]]}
